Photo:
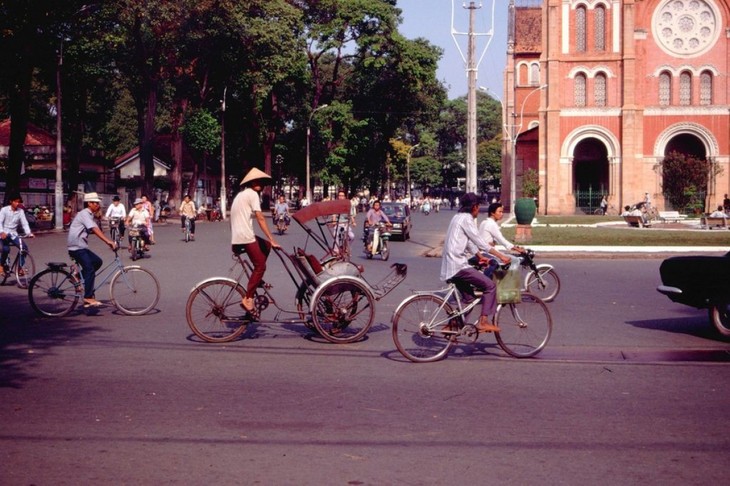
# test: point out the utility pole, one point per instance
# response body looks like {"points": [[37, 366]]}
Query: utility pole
{"points": [[471, 109], [472, 65]]}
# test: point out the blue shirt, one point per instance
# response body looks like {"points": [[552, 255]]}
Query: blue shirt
{"points": [[78, 232]]}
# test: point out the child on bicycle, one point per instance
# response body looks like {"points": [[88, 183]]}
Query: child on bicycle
{"points": [[12, 217], [78, 245]]}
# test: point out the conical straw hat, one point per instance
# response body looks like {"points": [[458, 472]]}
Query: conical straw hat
{"points": [[254, 174]]}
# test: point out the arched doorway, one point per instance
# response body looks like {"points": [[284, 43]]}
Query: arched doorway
{"points": [[590, 174], [686, 174]]}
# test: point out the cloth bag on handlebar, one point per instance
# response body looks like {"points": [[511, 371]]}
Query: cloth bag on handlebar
{"points": [[508, 284]]}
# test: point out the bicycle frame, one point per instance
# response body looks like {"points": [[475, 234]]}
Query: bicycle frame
{"points": [[116, 263], [452, 297]]}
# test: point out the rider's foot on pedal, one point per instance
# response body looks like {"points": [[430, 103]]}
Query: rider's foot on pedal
{"points": [[486, 325], [21, 272], [247, 303], [92, 303]]}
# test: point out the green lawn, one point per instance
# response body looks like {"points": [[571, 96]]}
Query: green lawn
{"points": [[620, 235]]}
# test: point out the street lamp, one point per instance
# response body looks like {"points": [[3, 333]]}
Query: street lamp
{"points": [[408, 170], [224, 198], [309, 133], [58, 186], [513, 132]]}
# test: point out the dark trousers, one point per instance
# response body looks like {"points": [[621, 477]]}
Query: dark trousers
{"points": [[192, 224], [469, 278], [257, 252], [90, 263]]}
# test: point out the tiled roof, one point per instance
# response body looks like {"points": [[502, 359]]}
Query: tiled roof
{"points": [[36, 137], [528, 30]]}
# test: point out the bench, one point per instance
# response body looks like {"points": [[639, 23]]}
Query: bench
{"points": [[710, 222], [636, 221], [671, 216]]}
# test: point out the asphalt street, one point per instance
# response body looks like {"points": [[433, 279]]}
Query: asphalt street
{"points": [[631, 389]]}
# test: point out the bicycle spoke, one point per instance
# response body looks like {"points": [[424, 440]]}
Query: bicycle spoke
{"points": [[525, 328], [213, 311], [422, 328]]}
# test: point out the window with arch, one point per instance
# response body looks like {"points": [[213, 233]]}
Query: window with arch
{"points": [[665, 89], [579, 90], [706, 88], [522, 75], [599, 89], [580, 29], [599, 27], [685, 88], [534, 74]]}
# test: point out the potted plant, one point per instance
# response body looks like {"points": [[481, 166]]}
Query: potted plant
{"points": [[525, 207]]}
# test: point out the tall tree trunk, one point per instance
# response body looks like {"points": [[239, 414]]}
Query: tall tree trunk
{"points": [[19, 105], [147, 139], [176, 176]]}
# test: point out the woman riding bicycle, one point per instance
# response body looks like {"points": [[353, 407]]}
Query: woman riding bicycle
{"points": [[12, 217], [187, 210]]}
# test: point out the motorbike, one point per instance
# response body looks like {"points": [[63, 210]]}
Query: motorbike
{"points": [[426, 208], [137, 242], [281, 223], [379, 245], [701, 282]]}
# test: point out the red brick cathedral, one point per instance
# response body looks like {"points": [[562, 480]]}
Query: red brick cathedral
{"points": [[600, 91]]}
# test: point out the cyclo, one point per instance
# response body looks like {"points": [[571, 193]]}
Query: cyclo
{"points": [[332, 296]]}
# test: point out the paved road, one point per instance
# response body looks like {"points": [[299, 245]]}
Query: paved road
{"points": [[632, 389]]}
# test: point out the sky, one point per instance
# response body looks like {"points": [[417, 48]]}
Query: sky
{"points": [[432, 19]]}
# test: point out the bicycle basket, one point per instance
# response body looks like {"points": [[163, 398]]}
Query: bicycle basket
{"points": [[133, 232]]}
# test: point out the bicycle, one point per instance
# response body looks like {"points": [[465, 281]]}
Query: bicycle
{"points": [[55, 292], [427, 324], [542, 280], [22, 274], [187, 236], [114, 230]]}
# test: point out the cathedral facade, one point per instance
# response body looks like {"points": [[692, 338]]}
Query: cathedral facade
{"points": [[599, 92]]}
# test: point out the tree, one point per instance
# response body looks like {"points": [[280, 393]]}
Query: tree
{"points": [[685, 179]]}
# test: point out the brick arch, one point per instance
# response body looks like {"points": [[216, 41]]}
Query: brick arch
{"points": [[613, 147], [712, 149]]}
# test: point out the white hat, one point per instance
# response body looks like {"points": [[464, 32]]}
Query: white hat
{"points": [[254, 174], [92, 197], [138, 201]]}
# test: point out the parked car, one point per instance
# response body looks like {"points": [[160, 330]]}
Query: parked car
{"points": [[400, 215], [702, 282]]}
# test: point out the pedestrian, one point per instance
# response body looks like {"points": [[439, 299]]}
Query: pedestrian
{"points": [[147, 205]]}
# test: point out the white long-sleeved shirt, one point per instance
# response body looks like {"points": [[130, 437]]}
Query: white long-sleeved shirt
{"points": [[11, 220], [460, 236], [492, 234], [116, 211]]}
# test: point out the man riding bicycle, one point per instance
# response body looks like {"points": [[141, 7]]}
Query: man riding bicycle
{"points": [[118, 212], [78, 245], [461, 236], [281, 209], [12, 216], [187, 210]]}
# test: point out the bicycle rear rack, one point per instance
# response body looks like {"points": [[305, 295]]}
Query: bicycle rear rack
{"points": [[390, 281]]}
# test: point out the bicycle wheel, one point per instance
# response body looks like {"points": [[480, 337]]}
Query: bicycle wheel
{"points": [[525, 328], [114, 234], [720, 317], [54, 292], [544, 283], [214, 312], [343, 310], [134, 291], [417, 325], [28, 270]]}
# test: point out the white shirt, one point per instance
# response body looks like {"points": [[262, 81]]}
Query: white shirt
{"points": [[10, 221], [491, 233], [116, 211], [461, 232], [244, 208], [139, 217]]}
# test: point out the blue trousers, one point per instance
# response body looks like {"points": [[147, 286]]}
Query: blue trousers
{"points": [[90, 263], [6, 250]]}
